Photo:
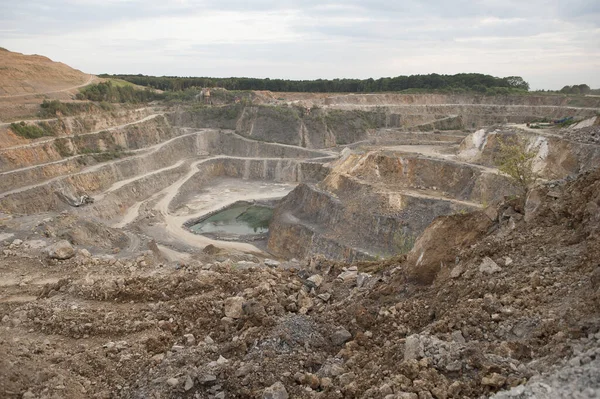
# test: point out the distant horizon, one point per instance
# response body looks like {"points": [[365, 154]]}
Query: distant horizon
{"points": [[548, 45]]}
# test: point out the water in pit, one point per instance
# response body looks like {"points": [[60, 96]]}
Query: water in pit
{"points": [[241, 218]]}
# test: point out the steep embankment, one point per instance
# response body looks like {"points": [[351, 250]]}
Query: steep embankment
{"points": [[322, 122], [376, 203]]}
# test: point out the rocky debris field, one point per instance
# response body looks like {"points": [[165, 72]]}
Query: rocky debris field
{"points": [[518, 305]]}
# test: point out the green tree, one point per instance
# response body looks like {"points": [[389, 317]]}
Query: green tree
{"points": [[517, 161]]}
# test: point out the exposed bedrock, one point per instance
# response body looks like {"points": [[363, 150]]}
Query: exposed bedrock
{"points": [[340, 120], [128, 137], [76, 125], [187, 145], [381, 99], [556, 157], [269, 169], [394, 172], [312, 221], [310, 128], [129, 180], [376, 204]]}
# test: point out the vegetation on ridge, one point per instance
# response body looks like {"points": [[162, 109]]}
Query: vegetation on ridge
{"points": [[109, 92], [460, 82]]}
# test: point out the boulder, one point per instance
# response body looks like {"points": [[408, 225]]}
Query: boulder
{"points": [[61, 250]]}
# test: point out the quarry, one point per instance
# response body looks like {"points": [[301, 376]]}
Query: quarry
{"points": [[302, 245]]}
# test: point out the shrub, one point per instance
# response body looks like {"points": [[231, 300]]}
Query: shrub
{"points": [[31, 131], [517, 161]]}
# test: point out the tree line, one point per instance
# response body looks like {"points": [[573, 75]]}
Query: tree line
{"points": [[460, 82]]}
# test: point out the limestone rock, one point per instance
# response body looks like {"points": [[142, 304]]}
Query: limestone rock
{"points": [[341, 336], [173, 382], [348, 275], [493, 380], [61, 250], [413, 348], [234, 307], [271, 263], [362, 279], [276, 391], [488, 266], [316, 279]]}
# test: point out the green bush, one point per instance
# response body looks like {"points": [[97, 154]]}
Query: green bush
{"points": [[517, 162], [31, 131], [107, 92]]}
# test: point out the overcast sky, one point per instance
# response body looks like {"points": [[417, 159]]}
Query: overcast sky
{"points": [[549, 43]]}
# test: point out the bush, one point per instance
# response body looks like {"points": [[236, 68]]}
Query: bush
{"points": [[107, 92], [55, 107], [31, 131], [517, 162]]}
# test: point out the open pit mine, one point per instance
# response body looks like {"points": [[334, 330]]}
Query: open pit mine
{"points": [[293, 245]]}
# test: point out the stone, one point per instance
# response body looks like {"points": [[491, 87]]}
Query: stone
{"points": [[493, 380], [207, 379], [189, 383], [340, 336], [221, 360], [312, 380], [189, 339], [324, 297], [276, 391], [413, 348], [85, 253], [254, 310], [347, 276], [457, 271], [61, 250], [488, 266], [346, 379], [316, 279], [326, 383], [385, 390], [17, 242], [234, 307], [220, 395], [458, 337], [173, 382], [508, 261], [271, 263], [362, 279]]}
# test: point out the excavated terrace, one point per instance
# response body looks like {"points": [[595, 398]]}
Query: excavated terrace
{"points": [[360, 176]]}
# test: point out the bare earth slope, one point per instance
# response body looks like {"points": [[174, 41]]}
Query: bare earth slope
{"points": [[22, 74]]}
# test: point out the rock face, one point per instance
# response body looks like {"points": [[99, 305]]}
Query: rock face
{"points": [[61, 250], [376, 204]]}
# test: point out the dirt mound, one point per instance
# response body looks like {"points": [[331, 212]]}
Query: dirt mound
{"points": [[29, 74]]}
